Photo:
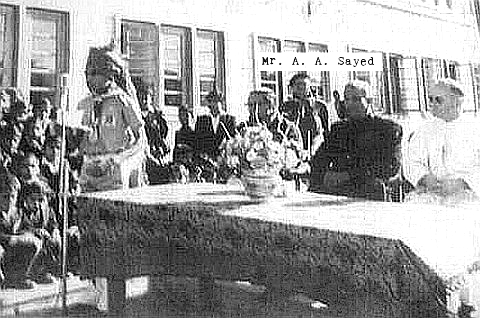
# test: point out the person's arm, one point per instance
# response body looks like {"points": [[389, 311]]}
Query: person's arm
{"points": [[416, 159], [466, 145], [132, 118]]}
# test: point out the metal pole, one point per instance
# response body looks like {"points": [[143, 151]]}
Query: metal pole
{"points": [[63, 181], [64, 237]]}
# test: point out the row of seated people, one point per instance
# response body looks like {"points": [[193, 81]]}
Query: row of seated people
{"points": [[358, 154], [305, 125], [301, 122], [366, 156], [30, 224]]}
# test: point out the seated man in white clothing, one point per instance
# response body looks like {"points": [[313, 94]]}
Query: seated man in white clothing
{"points": [[442, 158]]}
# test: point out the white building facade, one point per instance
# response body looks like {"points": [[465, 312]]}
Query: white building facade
{"points": [[182, 48]]}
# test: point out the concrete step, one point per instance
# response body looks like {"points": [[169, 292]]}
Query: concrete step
{"points": [[46, 297]]}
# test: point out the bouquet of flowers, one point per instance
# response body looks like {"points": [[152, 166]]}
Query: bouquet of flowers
{"points": [[254, 151]]}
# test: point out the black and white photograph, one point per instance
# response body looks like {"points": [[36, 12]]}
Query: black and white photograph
{"points": [[240, 158]]}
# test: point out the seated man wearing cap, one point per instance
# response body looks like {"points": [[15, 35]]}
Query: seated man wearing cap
{"points": [[360, 154], [442, 157]]}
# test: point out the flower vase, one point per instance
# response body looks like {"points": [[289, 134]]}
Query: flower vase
{"points": [[261, 185]]}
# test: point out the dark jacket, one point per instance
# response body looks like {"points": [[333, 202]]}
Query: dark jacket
{"points": [[208, 141], [9, 190], [40, 217], [369, 149], [156, 129]]}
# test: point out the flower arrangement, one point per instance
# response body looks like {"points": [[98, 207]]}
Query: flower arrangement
{"points": [[254, 150]]}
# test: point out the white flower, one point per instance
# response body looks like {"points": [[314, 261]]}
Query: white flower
{"points": [[251, 155]]}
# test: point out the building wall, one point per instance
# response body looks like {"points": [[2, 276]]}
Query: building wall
{"points": [[405, 27]]}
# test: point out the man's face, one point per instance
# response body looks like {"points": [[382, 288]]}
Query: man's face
{"points": [[185, 118], [36, 202], [52, 152], [14, 143], [29, 168], [4, 102], [353, 101], [444, 104], [37, 132], [97, 83], [264, 105], [42, 113], [301, 87], [215, 107]]}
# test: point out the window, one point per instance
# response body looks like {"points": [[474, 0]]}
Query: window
{"points": [[209, 59], [451, 70], [47, 47], [271, 79], [177, 70], [404, 84], [378, 97], [321, 87], [396, 88], [140, 47], [278, 81], [163, 57], [291, 46], [8, 25]]}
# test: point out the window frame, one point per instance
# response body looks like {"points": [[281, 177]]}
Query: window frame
{"points": [[391, 90], [62, 64], [15, 36], [125, 52], [283, 77], [219, 64]]}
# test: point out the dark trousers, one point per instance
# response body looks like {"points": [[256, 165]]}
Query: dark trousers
{"points": [[20, 253]]}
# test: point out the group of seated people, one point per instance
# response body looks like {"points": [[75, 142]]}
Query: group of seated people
{"points": [[30, 224], [346, 150], [302, 122], [357, 154]]}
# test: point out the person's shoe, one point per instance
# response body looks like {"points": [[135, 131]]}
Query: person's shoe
{"points": [[23, 284], [46, 278]]}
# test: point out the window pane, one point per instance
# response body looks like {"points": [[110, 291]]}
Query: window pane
{"points": [[48, 53], [408, 81], [7, 46], [210, 62], [270, 79], [268, 45], [291, 46], [140, 45], [321, 86], [377, 86], [432, 71], [44, 45], [176, 70]]}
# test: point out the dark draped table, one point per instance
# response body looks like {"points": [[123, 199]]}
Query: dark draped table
{"points": [[362, 258]]}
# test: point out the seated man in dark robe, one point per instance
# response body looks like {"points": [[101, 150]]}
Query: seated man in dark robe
{"points": [[184, 168], [210, 131], [361, 155]]}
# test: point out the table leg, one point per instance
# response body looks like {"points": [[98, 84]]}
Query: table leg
{"points": [[206, 290], [116, 292]]}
